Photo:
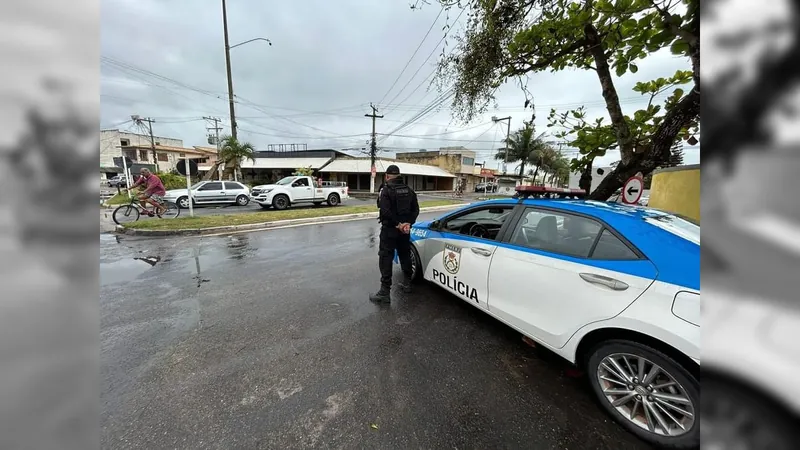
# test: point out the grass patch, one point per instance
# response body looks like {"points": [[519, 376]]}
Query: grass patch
{"points": [[119, 199], [259, 217]]}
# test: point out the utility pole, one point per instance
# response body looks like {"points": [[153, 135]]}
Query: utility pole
{"points": [[228, 64], [508, 136], [216, 129], [373, 147], [140, 121]]}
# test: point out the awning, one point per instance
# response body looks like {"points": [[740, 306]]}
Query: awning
{"points": [[284, 163], [363, 166]]}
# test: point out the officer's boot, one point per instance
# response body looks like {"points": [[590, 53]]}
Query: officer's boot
{"points": [[382, 296], [406, 284]]}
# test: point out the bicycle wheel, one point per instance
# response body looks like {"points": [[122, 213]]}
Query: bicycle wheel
{"points": [[171, 212], [125, 214]]}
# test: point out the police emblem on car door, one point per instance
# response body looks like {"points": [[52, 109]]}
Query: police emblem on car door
{"points": [[452, 258]]}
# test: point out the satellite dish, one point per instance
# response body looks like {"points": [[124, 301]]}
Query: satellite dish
{"points": [[181, 167]]}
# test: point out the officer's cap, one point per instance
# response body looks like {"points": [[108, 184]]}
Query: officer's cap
{"points": [[393, 170]]}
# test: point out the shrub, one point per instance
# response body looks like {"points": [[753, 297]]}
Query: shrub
{"points": [[173, 180]]}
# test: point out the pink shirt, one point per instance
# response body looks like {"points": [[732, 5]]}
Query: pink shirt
{"points": [[154, 186]]}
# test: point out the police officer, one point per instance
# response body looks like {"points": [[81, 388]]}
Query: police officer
{"points": [[399, 210]]}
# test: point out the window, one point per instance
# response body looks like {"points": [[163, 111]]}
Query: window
{"points": [[233, 186], [468, 161], [610, 247], [124, 142], [182, 155], [301, 182], [130, 154], [212, 186], [483, 223], [556, 232], [163, 157], [142, 155]]}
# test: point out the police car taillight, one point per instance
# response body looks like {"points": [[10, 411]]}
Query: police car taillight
{"points": [[549, 192]]}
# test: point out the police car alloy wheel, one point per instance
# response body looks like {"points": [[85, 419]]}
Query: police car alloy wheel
{"points": [[647, 392]]}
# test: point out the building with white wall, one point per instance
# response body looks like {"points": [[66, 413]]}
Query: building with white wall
{"points": [[138, 147]]}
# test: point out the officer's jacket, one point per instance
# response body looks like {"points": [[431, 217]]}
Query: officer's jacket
{"points": [[398, 204]]}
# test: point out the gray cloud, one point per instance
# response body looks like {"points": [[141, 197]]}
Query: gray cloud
{"points": [[332, 58]]}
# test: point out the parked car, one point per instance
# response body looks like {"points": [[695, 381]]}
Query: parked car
{"points": [[117, 181], [612, 288], [300, 190], [485, 187], [211, 192]]}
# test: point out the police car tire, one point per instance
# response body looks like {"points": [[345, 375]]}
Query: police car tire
{"points": [[417, 274], [690, 440], [333, 200]]}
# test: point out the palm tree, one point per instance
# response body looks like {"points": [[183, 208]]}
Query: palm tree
{"points": [[522, 146], [232, 152]]}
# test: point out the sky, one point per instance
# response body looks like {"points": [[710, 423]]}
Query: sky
{"points": [[328, 61]]}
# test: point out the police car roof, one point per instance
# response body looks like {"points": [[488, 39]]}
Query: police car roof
{"points": [[610, 212]]}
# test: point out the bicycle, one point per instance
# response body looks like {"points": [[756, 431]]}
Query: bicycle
{"points": [[130, 212]]}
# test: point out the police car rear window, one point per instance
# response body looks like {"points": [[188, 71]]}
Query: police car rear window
{"points": [[677, 225]]}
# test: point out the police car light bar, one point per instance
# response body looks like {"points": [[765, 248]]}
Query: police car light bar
{"points": [[550, 192]]}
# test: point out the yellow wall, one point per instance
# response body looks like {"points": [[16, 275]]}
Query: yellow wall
{"points": [[677, 190]]}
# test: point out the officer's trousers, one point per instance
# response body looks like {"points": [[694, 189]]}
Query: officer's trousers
{"points": [[393, 239]]}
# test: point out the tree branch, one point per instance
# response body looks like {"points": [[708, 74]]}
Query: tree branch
{"points": [[679, 117], [603, 70]]}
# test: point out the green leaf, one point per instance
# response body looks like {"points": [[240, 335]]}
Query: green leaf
{"points": [[633, 67], [679, 47], [621, 69]]}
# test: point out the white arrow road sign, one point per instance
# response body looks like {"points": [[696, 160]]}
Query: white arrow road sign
{"points": [[632, 190]]}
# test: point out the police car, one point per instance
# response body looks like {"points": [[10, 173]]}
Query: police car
{"points": [[612, 288]]}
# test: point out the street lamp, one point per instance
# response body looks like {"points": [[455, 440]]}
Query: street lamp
{"points": [[228, 48], [508, 136]]}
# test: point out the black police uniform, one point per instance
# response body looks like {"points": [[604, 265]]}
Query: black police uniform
{"points": [[398, 204]]}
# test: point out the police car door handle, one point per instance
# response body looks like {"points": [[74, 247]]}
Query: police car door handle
{"points": [[481, 251], [610, 283]]}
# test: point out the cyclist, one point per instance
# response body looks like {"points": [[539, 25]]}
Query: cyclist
{"points": [[153, 193]]}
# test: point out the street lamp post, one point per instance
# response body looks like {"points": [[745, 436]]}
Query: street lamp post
{"points": [[508, 136], [228, 48]]}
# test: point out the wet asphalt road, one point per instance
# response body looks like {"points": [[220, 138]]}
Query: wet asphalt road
{"points": [[267, 340]]}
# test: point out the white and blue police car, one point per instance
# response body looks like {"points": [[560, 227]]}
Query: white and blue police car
{"points": [[612, 288]]}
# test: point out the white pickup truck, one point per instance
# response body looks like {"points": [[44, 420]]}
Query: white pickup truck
{"points": [[298, 190]]}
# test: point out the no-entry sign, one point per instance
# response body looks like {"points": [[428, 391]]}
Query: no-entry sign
{"points": [[632, 190]]}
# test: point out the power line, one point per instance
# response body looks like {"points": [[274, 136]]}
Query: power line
{"points": [[412, 57], [444, 36]]}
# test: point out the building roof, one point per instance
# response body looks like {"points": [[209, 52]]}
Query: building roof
{"points": [[284, 163], [166, 148], [361, 165]]}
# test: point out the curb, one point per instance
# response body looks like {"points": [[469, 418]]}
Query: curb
{"points": [[267, 225]]}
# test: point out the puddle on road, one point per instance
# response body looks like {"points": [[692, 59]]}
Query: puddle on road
{"points": [[125, 270]]}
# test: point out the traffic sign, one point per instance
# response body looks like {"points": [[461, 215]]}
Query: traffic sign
{"points": [[181, 167], [632, 190]]}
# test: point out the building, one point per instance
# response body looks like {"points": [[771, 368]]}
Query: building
{"points": [[598, 174], [335, 165], [459, 161], [137, 147], [356, 172]]}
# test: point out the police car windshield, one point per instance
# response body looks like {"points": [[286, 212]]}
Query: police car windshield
{"points": [[284, 181]]}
